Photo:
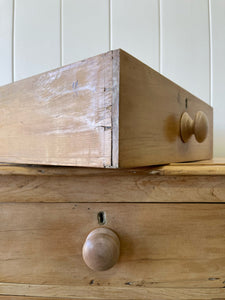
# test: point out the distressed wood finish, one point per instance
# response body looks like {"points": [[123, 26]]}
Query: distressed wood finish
{"points": [[27, 297], [107, 111], [127, 187], [101, 249], [111, 293], [191, 182], [59, 117], [214, 167], [151, 107], [168, 250], [162, 245]]}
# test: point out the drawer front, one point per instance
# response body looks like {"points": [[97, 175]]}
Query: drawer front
{"points": [[159, 122], [161, 246]]}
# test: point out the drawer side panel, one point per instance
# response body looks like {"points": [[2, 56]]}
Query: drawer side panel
{"points": [[61, 117]]}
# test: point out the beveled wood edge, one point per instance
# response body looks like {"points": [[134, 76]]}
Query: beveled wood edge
{"points": [[179, 170], [214, 161], [15, 297], [200, 168], [109, 293], [115, 108], [215, 166]]}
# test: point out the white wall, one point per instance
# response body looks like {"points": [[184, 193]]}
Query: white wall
{"points": [[182, 39]]}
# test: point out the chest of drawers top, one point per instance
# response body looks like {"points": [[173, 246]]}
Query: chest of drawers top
{"points": [[201, 181]]}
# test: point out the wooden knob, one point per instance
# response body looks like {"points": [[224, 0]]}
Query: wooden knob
{"points": [[101, 249], [199, 126]]}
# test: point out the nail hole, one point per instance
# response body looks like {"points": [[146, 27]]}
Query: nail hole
{"points": [[101, 218], [186, 103]]}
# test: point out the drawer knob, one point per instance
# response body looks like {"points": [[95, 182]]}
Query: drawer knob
{"points": [[101, 249], [199, 126]]}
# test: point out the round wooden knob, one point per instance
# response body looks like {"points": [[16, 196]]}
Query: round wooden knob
{"points": [[199, 126], [101, 249]]}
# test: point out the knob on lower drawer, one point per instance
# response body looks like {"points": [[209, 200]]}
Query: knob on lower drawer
{"points": [[199, 126], [101, 249]]}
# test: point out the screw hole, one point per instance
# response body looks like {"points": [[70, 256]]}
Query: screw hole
{"points": [[101, 218]]}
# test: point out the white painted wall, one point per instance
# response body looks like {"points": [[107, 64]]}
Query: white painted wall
{"points": [[182, 39]]}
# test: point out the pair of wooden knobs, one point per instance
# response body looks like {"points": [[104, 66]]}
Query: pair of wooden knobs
{"points": [[199, 126]]}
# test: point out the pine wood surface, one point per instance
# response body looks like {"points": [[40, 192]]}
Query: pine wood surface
{"points": [[171, 231], [107, 111], [110, 293], [59, 117], [125, 188], [162, 245], [13, 297], [188, 182], [151, 107], [211, 167]]}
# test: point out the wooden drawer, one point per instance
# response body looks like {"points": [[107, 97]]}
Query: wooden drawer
{"points": [[170, 221], [108, 111], [162, 246]]}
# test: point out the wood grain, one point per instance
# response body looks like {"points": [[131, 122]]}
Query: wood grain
{"points": [[172, 183], [149, 118], [111, 293], [212, 167], [135, 188], [61, 117], [101, 249], [162, 245], [109, 111], [203, 170], [209, 162], [13, 297]]}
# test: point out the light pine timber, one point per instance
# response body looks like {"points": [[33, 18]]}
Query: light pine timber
{"points": [[13, 297], [186, 240], [149, 118], [162, 245], [111, 293], [59, 117], [188, 182], [213, 167], [112, 188], [108, 111], [101, 249]]}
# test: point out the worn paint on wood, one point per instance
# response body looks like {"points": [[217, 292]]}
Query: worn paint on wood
{"points": [[59, 117], [189, 182], [107, 111]]}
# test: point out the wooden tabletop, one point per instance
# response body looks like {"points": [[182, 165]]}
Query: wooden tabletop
{"points": [[207, 167], [215, 166]]}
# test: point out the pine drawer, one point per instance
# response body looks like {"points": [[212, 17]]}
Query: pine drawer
{"points": [[108, 111], [171, 231]]}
